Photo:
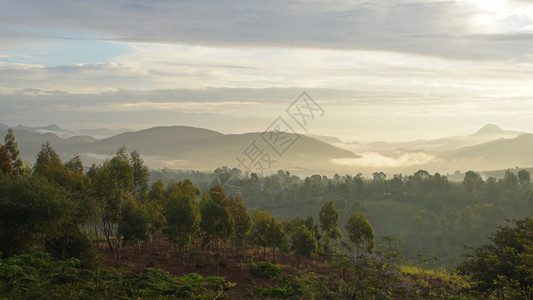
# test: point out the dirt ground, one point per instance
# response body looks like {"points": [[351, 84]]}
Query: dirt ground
{"points": [[233, 267]]}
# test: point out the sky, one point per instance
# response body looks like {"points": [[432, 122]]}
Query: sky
{"points": [[381, 70]]}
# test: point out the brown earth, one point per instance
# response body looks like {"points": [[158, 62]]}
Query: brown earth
{"points": [[233, 267]]}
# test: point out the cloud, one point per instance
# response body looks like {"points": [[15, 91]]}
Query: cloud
{"points": [[152, 67], [377, 160], [434, 28]]}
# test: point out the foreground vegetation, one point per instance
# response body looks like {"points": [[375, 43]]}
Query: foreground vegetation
{"points": [[38, 277], [65, 210]]}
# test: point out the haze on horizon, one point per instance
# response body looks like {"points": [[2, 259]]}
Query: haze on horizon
{"points": [[382, 70]]}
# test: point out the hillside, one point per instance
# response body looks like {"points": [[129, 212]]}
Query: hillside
{"points": [[186, 147], [501, 153]]}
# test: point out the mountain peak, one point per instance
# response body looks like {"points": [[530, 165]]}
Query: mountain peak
{"points": [[489, 129]]}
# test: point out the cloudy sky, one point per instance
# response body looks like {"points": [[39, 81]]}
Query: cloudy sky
{"points": [[381, 70]]}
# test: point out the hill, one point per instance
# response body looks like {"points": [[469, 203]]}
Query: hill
{"points": [[497, 154], [184, 147]]}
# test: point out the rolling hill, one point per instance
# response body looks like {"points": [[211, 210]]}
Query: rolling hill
{"points": [[183, 147], [497, 154]]}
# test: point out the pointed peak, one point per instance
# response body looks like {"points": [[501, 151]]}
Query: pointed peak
{"points": [[490, 129]]}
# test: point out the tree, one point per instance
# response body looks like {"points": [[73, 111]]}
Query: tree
{"points": [[360, 231], [140, 176], [504, 266], [32, 211], [78, 180], [243, 221], [75, 165], [13, 150], [276, 237], [525, 178], [510, 181], [303, 243], [258, 234], [113, 183], [472, 182], [182, 218], [267, 231], [5, 162], [133, 224], [329, 219], [216, 221], [50, 166], [154, 205]]}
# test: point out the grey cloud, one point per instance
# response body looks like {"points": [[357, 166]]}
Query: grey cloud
{"points": [[435, 28]]}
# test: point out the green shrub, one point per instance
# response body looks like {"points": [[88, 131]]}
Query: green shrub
{"points": [[265, 270]]}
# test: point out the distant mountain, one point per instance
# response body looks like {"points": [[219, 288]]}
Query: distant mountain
{"points": [[489, 129], [497, 154], [494, 130], [100, 133], [326, 138], [183, 147], [30, 142], [487, 133]]}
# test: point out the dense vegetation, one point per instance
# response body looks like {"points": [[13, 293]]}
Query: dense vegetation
{"points": [[428, 216], [66, 210]]}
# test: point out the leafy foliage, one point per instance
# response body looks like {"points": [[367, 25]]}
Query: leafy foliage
{"points": [[303, 242], [329, 219], [32, 210], [38, 277], [264, 269], [360, 232], [504, 266], [11, 146]]}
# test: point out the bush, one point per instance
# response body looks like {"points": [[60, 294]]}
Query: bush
{"points": [[38, 277], [264, 270]]}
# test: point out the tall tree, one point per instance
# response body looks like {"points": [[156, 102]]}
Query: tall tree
{"points": [[13, 150], [472, 182], [525, 178], [216, 221], [267, 231], [329, 223], [49, 165], [78, 180], [154, 205], [140, 176], [360, 232], [258, 234], [276, 237], [5, 162], [243, 220], [133, 224], [303, 242], [113, 183], [183, 219]]}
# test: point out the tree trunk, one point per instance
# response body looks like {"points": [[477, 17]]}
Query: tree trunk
{"points": [[153, 245], [96, 233], [180, 255], [64, 246], [218, 259], [112, 242]]}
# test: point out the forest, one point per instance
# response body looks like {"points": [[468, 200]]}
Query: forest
{"points": [[120, 230]]}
